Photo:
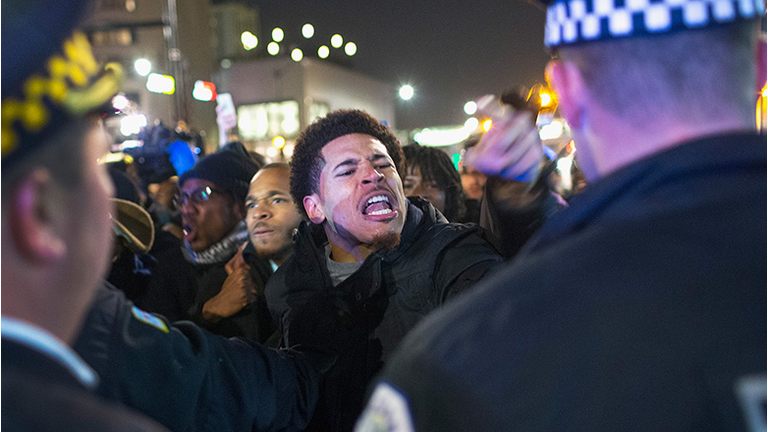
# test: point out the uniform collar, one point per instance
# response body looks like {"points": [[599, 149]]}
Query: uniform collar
{"points": [[44, 342]]}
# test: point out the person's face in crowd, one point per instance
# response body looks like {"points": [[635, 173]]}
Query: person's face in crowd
{"points": [[272, 215], [473, 181], [360, 194], [415, 185], [208, 215]]}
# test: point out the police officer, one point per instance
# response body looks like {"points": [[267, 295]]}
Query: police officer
{"points": [[56, 228], [642, 306]]}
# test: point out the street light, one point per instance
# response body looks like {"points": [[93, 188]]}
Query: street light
{"points": [[273, 48], [350, 48], [307, 30], [470, 107], [406, 92], [337, 41], [249, 40], [278, 34]]}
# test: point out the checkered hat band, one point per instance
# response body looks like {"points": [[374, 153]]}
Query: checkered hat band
{"points": [[576, 21]]}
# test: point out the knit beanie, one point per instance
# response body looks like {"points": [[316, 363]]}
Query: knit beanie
{"points": [[230, 168]]}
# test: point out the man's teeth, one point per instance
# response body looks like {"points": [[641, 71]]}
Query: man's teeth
{"points": [[380, 212], [377, 199]]}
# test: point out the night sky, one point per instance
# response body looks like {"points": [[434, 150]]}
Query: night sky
{"points": [[450, 51]]}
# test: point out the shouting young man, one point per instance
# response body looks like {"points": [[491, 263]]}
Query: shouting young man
{"points": [[369, 259]]}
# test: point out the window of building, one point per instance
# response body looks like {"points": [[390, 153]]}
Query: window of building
{"points": [[267, 120]]}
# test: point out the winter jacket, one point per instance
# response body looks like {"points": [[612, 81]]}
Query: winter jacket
{"points": [[253, 321], [383, 299], [179, 289]]}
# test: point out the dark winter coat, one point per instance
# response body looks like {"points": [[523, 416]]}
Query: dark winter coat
{"points": [[641, 307], [179, 289], [253, 321], [191, 380], [383, 299], [41, 394]]}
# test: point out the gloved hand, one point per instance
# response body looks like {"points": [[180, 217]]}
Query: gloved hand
{"points": [[512, 148]]}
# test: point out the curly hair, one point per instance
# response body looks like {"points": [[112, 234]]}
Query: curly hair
{"points": [[307, 162], [435, 165]]}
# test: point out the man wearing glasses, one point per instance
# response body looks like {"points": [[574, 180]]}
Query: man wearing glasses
{"points": [[212, 212]]}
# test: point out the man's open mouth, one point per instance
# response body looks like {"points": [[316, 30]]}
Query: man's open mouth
{"points": [[378, 205]]}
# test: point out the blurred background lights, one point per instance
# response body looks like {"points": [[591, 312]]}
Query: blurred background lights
{"points": [[487, 124], [288, 150], [323, 51], [297, 54], [337, 41], [249, 40], [226, 63], [120, 102], [553, 130], [470, 107], [132, 124], [278, 34], [157, 83], [443, 136], [564, 164], [143, 66], [273, 48], [471, 124], [406, 92], [278, 142], [307, 30], [204, 91], [350, 48], [546, 99]]}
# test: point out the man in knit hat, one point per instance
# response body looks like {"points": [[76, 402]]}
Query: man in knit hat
{"points": [[642, 306], [211, 200]]}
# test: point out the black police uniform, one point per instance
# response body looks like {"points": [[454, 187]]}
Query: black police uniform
{"points": [[191, 380], [642, 307]]}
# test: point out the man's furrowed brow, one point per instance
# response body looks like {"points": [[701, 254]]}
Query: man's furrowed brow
{"points": [[346, 163], [268, 194], [378, 156]]}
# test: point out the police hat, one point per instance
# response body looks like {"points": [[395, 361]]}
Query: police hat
{"points": [[49, 74], [571, 22]]}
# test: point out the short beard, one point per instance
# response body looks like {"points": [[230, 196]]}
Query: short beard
{"points": [[389, 241]]}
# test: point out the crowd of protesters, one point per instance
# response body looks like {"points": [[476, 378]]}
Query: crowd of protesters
{"points": [[373, 286]]}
